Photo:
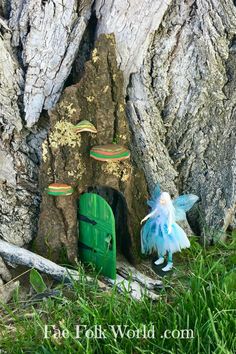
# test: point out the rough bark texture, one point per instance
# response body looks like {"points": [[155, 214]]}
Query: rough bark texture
{"points": [[178, 59], [99, 98], [181, 97], [38, 43], [133, 23], [195, 94], [49, 33], [18, 161]]}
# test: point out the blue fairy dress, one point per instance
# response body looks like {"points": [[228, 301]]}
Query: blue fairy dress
{"points": [[161, 233]]}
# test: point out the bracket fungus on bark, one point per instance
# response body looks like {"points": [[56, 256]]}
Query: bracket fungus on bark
{"points": [[85, 126], [109, 153], [59, 189]]}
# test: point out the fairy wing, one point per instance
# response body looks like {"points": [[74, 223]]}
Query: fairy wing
{"points": [[182, 204], [154, 197]]}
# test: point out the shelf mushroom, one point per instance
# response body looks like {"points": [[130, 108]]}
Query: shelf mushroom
{"points": [[109, 152], [59, 189], [85, 126]]}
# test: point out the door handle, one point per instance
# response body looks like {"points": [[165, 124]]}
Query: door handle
{"points": [[108, 239]]}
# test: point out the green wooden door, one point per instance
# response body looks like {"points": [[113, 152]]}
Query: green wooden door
{"points": [[97, 239]]}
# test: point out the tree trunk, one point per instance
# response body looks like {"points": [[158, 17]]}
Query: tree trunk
{"points": [[178, 61]]}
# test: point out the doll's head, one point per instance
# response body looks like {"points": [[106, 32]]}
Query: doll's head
{"points": [[165, 198]]}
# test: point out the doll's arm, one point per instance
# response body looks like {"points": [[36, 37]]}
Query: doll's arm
{"points": [[149, 215]]}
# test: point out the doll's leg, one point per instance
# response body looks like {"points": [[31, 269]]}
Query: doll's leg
{"points": [[169, 265], [160, 260]]}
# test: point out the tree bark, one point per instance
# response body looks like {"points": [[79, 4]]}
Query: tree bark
{"points": [[39, 41], [178, 60]]}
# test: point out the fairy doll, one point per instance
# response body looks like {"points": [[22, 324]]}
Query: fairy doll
{"points": [[161, 233]]}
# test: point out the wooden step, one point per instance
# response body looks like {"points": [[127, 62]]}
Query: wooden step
{"points": [[129, 272]]}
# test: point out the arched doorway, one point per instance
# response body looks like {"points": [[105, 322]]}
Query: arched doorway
{"points": [[103, 228]]}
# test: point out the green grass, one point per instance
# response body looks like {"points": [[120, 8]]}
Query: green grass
{"points": [[199, 296]]}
